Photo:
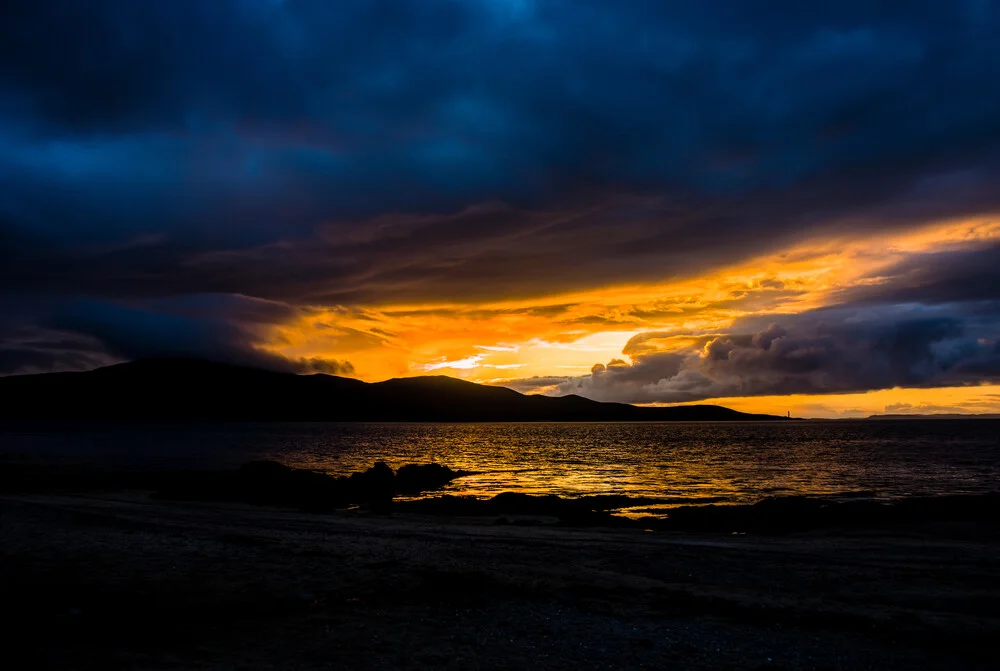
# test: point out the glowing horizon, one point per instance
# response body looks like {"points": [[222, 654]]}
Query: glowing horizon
{"points": [[566, 334]]}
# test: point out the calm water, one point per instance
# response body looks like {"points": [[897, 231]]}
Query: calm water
{"points": [[731, 462]]}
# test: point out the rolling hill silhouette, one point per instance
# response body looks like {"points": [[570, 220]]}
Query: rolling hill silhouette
{"points": [[192, 390]]}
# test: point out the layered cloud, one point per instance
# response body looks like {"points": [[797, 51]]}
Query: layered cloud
{"points": [[828, 351], [931, 320]]}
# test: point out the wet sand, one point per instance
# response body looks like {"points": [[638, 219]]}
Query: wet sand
{"points": [[121, 581]]}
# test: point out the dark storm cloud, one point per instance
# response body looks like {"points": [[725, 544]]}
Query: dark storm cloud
{"points": [[340, 153], [84, 333], [938, 277], [534, 384], [930, 320], [39, 350], [234, 125], [839, 350]]}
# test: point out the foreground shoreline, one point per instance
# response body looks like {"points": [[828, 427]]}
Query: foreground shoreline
{"points": [[120, 580]]}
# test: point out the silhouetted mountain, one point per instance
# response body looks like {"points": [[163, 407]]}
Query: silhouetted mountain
{"points": [[185, 390]]}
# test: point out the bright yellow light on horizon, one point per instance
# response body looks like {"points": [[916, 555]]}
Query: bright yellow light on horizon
{"points": [[566, 334], [979, 399]]}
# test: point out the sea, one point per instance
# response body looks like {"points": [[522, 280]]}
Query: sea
{"points": [[676, 463]]}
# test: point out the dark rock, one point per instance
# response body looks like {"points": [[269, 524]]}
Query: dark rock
{"points": [[273, 483], [416, 478], [375, 484]]}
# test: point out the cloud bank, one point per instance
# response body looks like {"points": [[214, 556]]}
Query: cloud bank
{"points": [[883, 338]]}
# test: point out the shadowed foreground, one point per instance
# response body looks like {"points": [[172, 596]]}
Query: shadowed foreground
{"points": [[120, 581]]}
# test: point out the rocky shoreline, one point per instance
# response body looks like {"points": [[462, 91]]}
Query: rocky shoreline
{"points": [[380, 489]]}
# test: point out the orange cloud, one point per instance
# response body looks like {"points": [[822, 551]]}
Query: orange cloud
{"points": [[565, 334]]}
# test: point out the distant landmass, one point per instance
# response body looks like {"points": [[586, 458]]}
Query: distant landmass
{"points": [[938, 415], [192, 390]]}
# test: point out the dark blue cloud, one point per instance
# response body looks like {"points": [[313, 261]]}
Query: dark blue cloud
{"points": [[934, 278], [259, 119], [74, 334]]}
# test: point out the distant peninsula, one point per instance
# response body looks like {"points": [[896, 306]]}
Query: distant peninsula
{"points": [[938, 415], [195, 390]]}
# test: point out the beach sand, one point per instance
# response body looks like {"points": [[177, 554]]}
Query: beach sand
{"points": [[118, 580]]}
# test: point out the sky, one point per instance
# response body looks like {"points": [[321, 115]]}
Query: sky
{"points": [[774, 206]]}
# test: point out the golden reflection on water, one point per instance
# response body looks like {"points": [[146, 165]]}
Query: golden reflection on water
{"points": [[676, 463], [670, 463]]}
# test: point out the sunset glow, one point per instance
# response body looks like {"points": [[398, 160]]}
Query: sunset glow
{"points": [[565, 335]]}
